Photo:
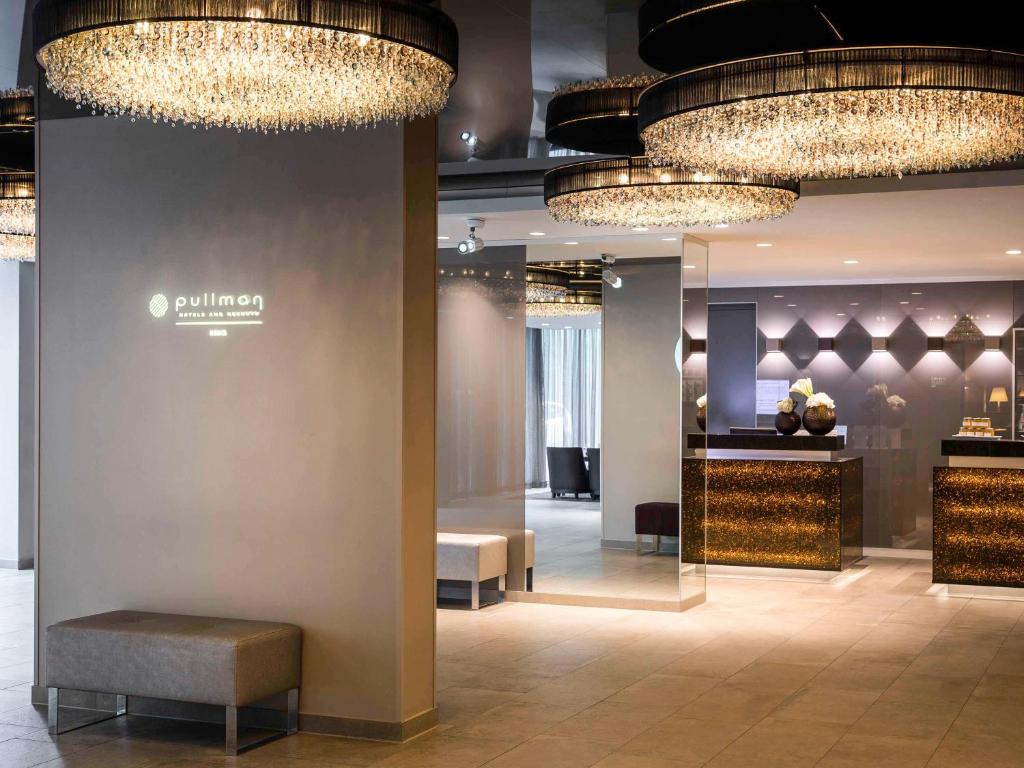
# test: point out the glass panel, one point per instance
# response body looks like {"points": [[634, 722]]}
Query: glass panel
{"points": [[692, 362]]}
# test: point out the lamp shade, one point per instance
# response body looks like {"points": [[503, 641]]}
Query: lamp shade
{"points": [[999, 395]]}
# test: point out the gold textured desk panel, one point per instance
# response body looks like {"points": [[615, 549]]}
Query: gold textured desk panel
{"points": [[774, 514]]}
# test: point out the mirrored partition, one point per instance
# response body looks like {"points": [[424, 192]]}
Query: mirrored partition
{"points": [[697, 413], [481, 406]]}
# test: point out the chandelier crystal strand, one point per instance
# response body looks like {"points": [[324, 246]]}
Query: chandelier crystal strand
{"points": [[17, 177], [573, 305], [873, 112], [259, 73], [17, 247]]}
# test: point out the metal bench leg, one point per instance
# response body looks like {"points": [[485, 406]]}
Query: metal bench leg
{"points": [[52, 710], [474, 595], [529, 579], [231, 730], [293, 711]]}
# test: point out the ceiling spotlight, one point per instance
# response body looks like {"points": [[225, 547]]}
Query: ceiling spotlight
{"points": [[265, 66], [611, 278], [469, 138], [1013, 252], [641, 229], [472, 244], [538, 234], [669, 239], [572, 242], [764, 245], [851, 262]]}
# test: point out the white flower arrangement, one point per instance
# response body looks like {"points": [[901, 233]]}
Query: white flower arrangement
{"points": [[787, 406], [820, 398], [803, 387], [895, 401], [879, 390], [702, 401]]}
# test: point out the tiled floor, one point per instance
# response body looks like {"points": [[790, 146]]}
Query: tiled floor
{"points": [[570, 559], [873, 674]]}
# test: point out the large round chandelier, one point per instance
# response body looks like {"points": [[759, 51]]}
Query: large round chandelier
{"points": [[573, 304], [632, 191], [268, 65], [545, 284], [601, 116], [17, 178], [846, 89]]}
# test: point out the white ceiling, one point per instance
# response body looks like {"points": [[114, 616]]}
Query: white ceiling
{"points": [[920, 235]]}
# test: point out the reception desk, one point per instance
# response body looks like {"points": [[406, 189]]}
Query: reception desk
{"points": [[772, 501], [978, 511]]}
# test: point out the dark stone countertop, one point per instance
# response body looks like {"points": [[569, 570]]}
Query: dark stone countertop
{"points": [[768, 442], [994, 449]]}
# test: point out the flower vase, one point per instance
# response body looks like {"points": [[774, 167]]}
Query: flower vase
{"points": [[787, 423], [819, 420]]}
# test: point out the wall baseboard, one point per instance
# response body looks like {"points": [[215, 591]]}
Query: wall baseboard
{"points": [[898, 554], [669, 545], [258, 716]]}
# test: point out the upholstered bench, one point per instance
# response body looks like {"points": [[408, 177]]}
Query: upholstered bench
{"points": [[479, 559], [657, 519], [531, 558], [225, 662]]}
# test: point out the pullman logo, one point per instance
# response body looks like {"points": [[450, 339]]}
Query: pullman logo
{"points": [[213, 311]]}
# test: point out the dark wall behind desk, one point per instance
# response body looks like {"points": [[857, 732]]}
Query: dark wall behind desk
{"points": [[940, 388]]}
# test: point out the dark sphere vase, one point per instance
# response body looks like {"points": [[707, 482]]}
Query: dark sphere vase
{"points": [[894, 417], [787, 423], [819, 420], [702, 419]]}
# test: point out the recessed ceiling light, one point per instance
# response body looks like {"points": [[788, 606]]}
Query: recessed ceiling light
{"points": [[915, 293], [571, 242], [669, 239], [641, 229], [840, 314], [1013, 252], [791, 305], [545, 325], [721, 226], [765, 245], [689, 266], [779, 296], [904, 302], [919, 309], [443, 237], [854, 303], [851, 261], [538, 234]]}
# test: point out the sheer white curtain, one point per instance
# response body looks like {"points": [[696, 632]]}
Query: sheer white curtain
{"points": [[572, 387]]}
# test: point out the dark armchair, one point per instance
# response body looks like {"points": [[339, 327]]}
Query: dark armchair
{"points": [[566, 472], [594, 472]]}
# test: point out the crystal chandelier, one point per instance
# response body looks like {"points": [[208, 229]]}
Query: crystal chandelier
{"points": [[17, 179], [545, 284], [601, 116], [267, 65], [833, 89], [629, 192], [966, 331], [573, 304]]}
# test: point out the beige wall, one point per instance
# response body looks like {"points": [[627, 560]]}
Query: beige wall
{"points": [[284, 472]]}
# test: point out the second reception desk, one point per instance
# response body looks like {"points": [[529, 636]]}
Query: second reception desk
{"points": [[772, 502]]}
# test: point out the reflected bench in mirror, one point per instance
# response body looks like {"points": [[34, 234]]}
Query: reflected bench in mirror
{"points": [[230, 663], [656, 519], [476, 561], [594, 472]]}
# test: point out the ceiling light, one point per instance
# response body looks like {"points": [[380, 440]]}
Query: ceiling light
{"points": [[765, 245], [469, 138], [840, 314], [689, 266], [778, 296], [538, 234], [851, 261], [1013, 252], [601, 116], [265, 66], [443, 237], [17, 176], [897, 110], [571, 305], [916, 293], [572, 242], [791, 306], [611, 278], [720, 225], [473, 243], [669, 239], [854, 303], [904, 302], [587, 193]]}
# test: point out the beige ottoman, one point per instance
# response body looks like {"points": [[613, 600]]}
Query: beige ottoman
{"points": [[480, 559]]}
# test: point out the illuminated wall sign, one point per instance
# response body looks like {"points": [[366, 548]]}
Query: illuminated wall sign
{"points": [[214, 312]]}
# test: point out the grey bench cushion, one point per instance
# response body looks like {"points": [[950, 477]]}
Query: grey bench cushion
{"points": [[228, 662]]}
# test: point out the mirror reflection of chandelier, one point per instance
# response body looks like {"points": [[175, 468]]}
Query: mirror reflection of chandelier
{"points": [[577, 294], [17, 176]]}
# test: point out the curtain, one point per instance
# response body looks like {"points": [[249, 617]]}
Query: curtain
{"points": [[536, 463]]}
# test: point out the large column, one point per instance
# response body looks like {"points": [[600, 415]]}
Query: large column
{"points": [[280, 471]]}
